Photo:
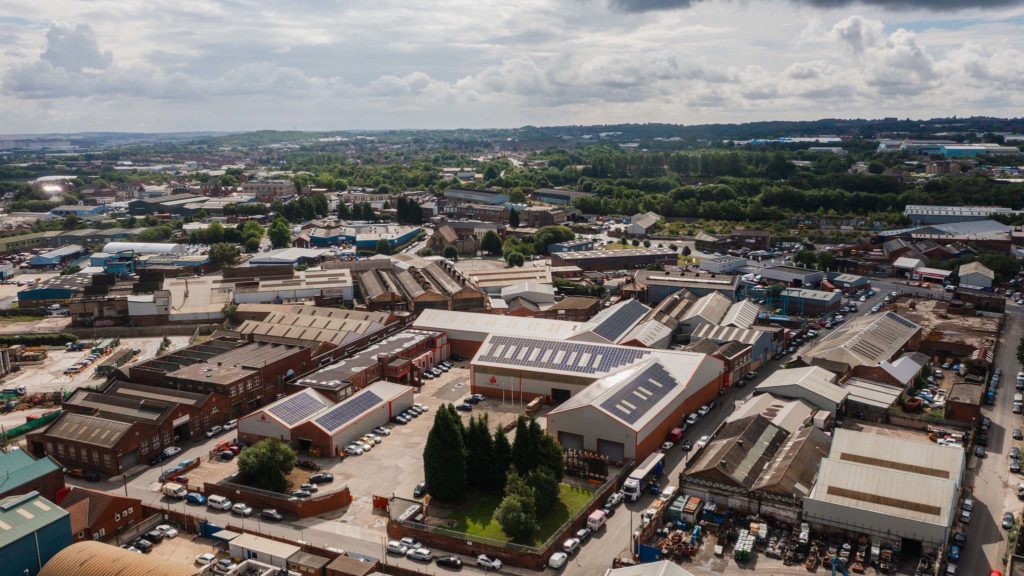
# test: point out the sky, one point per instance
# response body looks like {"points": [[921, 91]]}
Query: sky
{"points": [[196, 65]]}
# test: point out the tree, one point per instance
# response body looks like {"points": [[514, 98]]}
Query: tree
{"points": [[636, 242], [383, 247], [343, 212], [479, 453], [826, 260], [515, 259], [805, 258], [252, 245], [876, 167], [687, 251], [491, 243], [545, 488], [517, 513], [224, 254], [647, 243], [444, 457], [502, 459], [551, 235], [280, 233], [524, 449], [266, 465], [513, 218], [451, 253]]}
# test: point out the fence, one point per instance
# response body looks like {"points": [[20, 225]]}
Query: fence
{"points": [[147, 524], [31, 425], [301, 507]]}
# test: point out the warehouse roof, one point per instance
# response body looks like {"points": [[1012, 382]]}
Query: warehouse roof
{"points": [[908, 263], [812, 379], [728, 333], [566, 357], [742, 314], [808, 294], [24, 514], [795, 465], [18, 468], [648, 333], [790, 415], [660, 568], [450, 320], [351, 409], [904, 369], [617, 254], [918, 456], [297, 408], [864, 341], [143, 247], [287, 256], [91, 430], [712, 307], [637, 394], [977, 268], [91, 558], [614, 322], [311, 327], [871, 393], [740, 449]]}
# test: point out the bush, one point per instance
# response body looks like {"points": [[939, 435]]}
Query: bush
{"points": [[517, 513], [266, 465], [451, 253], [48, 339], [515, 259]]}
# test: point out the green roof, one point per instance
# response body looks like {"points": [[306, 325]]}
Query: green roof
{"points": [[17, 468], [27, 513]]}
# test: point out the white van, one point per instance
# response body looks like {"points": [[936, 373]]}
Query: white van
{"points": [[596, 520], [174, 490], [218, 502]]}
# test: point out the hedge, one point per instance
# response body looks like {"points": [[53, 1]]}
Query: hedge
{"points": [[43, 339]]}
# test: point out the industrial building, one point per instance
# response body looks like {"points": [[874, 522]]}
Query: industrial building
{"points": [[290, 256], [896, 491], [21, 473], [816, 386], [762, 341], [708, 309], [321, 286], [561, 197], [99, 559], [866, 341], [58, 258], [603, 260], [55, 290], [577, 245], [789, 275], [467, 330], [141, 248], [976, 275], [652, 286], [476, 196], [922, 214], [493, 281], [313, 424], [97, 515], [849, 282], [806, 302], [313, 325], [32, 530], [642, 224], [722, 264], [179, 204], [527, 367], [626, 414]]}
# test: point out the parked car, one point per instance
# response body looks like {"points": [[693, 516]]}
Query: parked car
{"points": [[411, 543], [271, 515], [353, 450], [205, 559], [571, 546], [225, 565], [382, 430], [687, 446], [420, 555], [979, 451], [558, 560], [396, 547], [614, 500], [226, 455], [241, 509], [171, 451], [214, 431], [195, 498], [308, 487], [143, 545], [167, 530], [449, 562], [1015, 465], [321, 478], [231, 424], [1008, 520], [703, 410], [584, 534], [465, 407], [154, 536], [692, 419], [1017, 434], [301, 494], [965, 516], [487, 563], [420, 490], [703, 441]]}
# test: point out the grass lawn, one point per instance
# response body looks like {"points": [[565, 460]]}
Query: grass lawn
{"points": [[476, 517]]}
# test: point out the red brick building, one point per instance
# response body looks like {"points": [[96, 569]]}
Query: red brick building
{"points": [[99, 515]]}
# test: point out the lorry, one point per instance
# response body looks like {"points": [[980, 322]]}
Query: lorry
{"points": [[642, 476], [174, 490]]}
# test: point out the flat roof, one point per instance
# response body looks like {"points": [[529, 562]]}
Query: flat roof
{"points": [[629, 253], [266, 545], [456, 321], [335, 376]]}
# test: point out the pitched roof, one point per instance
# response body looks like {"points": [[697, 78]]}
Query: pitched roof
{"points": [[18, 468], [614, 323], [740, 449], [742, 314], [864, 341], [977, 268], [24, 514], [813, 379], [86, 506], [711, 307], [89, 429]]}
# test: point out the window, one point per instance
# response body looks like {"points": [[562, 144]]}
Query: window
{"points": [[60, 450], [156, 441], [102, 532], [117, 516], [106, 460], [144, 445], [130, 511], [49, 447], [95, 456], [72, 453], [81, 534]]}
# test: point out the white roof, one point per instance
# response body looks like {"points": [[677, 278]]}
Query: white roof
{"points": [[711, 307], [728, 334], [908, 263], [144, 247], [903, 369], [648, 333], [286, 255], [815, 380], [790, 415], [451, 320], [273, 548], [864, 341], [661, 568], [871, 393], [742, 314]]}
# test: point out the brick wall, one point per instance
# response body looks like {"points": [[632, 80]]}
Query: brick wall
{"points": [[259, 499]]}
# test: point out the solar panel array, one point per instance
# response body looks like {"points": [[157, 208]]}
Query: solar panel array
{"points": [[621, 320], [343, 413], [296, 408], [578, 357], [638, 395]]}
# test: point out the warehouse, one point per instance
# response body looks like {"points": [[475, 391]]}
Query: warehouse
{"points": [[58, 258], [722, 264], [493, 281], [896, 491], [279, 419], [32, 531], [709, 309], [789, 275], [761, 341], [805, 302], [866, 341], [316, 285], [976, 275], [329, 431], [55, 290], [848, 282], [290, 256], [626, 414], [577, 245], [602, 260], [812, 384], [528, 367], [652, 286], [561, 197], [468, 330], [141, 248], [642, 224]]}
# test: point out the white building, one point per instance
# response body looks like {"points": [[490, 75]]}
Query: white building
{"points": [[642, 224], [143, 248], [897, 491], [811, 384], [265, 550], [722, 264], [976, 275]]}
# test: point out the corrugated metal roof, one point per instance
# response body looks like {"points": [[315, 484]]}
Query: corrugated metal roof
{"points": [[450, 320], [18, 468], [864, 341], [88, 429], [24, 514], [816, 380], [788, 414], [742, 314], [99, 559], [711, 307]]}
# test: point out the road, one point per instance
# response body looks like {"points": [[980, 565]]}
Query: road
{"points": [[989, 481]]}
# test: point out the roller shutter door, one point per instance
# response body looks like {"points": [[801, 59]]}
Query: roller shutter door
{"points": [[570, 441], [615, 451]]}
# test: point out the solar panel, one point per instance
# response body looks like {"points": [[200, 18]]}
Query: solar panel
{"points": [[343, 413], [636, 396], [621, 320], [297, 408], [578, 357]]}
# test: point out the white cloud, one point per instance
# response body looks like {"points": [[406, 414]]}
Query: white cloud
{"points": [[245, 64]]}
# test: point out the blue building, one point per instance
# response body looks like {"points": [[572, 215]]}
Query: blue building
{"points": [[477, 196], [367, 238], [78, 210], [56, 258], [32, 530], [578, 245], [56, 290]]}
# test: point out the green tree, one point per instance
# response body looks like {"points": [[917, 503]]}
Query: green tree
{"points": [[266, 465], [687, 251], [479, 452], [513, 218], [451, 253], [515, 259], [517, 513], [444, 457], [545, 488], [805, 258], [636, 242], [491, 243], [647, 243], [252, 245], [826, 260], [502, 459], [343, 212], [70, 222], [383, 247], [551, 235], [875, 167], [280, 233], [524, 448], [224, 254]]}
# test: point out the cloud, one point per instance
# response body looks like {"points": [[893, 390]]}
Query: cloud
{"points": [[75, 49], [931, 5]]}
